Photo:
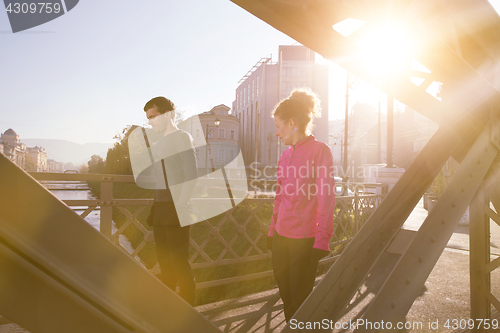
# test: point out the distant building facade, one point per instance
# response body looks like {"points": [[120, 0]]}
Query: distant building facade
{"points": [[53, 166], [13, 148], [222, 148], [261, 89], [39, 156]]}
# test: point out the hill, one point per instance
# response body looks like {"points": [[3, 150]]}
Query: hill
{"points": [[67, 151]]}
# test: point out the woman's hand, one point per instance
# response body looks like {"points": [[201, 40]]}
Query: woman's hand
{"points": [[318, 254]]}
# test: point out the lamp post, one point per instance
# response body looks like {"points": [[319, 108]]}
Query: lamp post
{"points": [[379, 140], [211, 129], [390, 131], [270, 139], [336, 137], [350, 84]]}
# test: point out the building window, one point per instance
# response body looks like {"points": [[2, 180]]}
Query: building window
{"points": [[248, 100], [222, 157], [222, 133], [231, 154], [253, 89], [286, 86], [209, 134], [257, 86], [244, 95], [197, 153], [232, 134], [197, 133]]}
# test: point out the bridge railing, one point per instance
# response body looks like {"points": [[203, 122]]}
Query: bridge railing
{"points": [[236, 236]]}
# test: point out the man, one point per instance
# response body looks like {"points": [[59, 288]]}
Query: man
{"points": [[174, 168]]}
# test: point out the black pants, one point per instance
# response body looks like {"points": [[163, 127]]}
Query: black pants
{"points": [[295, 270], [172, 250]]}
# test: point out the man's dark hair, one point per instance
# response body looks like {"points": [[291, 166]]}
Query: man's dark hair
{"points": [[163, 104]]}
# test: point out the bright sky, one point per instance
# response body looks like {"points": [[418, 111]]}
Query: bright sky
{"points": [[87, 74]]}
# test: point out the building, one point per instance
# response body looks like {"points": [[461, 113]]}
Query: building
{"points": [[222, 148], [53, 166], [411, 133], [39, 157], [259, 92], [13, 148]]}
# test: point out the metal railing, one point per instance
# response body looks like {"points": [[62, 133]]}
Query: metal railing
{"points": [[236, 236]]}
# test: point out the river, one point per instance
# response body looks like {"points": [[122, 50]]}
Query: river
{"points": [[75, 190]]}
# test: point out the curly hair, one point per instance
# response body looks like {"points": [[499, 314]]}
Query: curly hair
{"points": [[303, 106]]}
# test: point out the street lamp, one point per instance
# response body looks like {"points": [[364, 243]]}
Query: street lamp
{"points": [[211, 129], [270, 139], [350, 84], [340, 137]]}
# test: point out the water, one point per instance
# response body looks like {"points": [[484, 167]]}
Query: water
{"points": [[74, 190]]}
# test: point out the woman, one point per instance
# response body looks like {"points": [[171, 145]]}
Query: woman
{"points": [[302, 222]]}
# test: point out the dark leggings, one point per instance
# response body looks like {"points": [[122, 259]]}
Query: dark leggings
{"points": [[295, 270], [172, 250]]}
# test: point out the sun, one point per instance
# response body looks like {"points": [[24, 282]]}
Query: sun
{"points": [[386, 50]]}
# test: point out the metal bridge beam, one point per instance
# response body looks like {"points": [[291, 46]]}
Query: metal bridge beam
{"points": [[405, 283], [59, 274]]}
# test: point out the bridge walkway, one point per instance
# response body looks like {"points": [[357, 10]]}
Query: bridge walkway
{"points": [[446, 294]]}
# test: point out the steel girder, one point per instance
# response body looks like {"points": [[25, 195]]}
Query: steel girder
{"points": [[400, 290], [59, 274]]}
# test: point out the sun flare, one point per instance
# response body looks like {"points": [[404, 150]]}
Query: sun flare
{"points": [[386, 50]]}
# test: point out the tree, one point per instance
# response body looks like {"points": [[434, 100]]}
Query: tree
{"points": [[179, 116], [96, 164], [84, 168], [69, 166], [118, 157]]}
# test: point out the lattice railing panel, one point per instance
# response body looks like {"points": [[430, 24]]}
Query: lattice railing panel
{"points": [[350, 215], [237, 236], [234, 236]]}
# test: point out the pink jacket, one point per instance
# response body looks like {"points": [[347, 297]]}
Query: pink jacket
{"points": [[305, 193]]}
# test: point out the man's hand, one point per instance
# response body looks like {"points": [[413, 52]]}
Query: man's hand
{"points": [[149, 221]]}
